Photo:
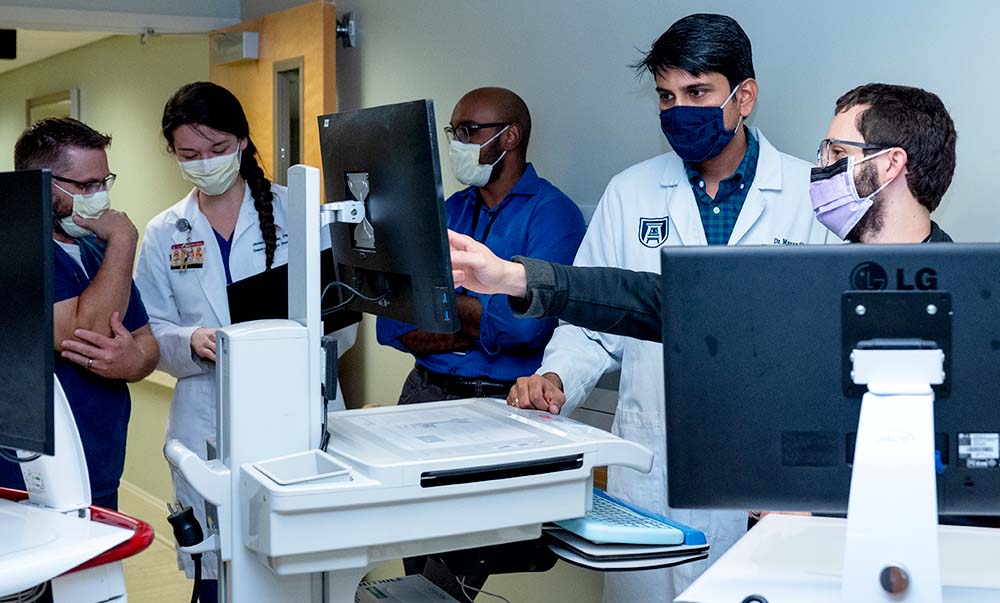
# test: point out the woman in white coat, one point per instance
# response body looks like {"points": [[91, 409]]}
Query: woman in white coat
{"points": [[229, 227]]}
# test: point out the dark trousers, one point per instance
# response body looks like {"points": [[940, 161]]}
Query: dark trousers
{"points": [[107, 502], [424, 386], [209, 591], [417, 389]]}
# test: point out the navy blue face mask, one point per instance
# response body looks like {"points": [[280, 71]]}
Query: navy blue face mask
{"points": [[697, 134]]}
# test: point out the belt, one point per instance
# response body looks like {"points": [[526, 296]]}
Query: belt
{"points": [[466, 387]]}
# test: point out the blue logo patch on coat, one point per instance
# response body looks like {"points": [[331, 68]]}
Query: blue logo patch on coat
{"points": [[653, 232]]}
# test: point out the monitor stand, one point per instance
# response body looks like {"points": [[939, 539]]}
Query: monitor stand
{"points": [[61, 482], [891, 551], [890, 548], [52, 533]]}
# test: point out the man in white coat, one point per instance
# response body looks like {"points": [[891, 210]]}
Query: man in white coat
{"points": [[724, 183]]}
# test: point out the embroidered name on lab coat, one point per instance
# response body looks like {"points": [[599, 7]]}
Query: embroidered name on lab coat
{"points": [[258, 246]]}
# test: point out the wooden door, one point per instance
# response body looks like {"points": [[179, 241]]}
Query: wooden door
{"points": [[302, 36]]}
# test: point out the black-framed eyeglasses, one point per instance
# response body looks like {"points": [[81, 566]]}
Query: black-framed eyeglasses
{"points": [[824, 155], [92, 187], [463, 133]]}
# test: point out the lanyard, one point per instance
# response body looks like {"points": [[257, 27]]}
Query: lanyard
{"points": [[489, 223], [184, 226]]}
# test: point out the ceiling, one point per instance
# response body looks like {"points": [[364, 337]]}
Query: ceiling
{"points": [[49, 27], [35, 45]]}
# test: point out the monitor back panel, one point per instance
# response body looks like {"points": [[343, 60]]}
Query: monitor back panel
{"points": [[396, 145], [757, 415], [26, 345]]}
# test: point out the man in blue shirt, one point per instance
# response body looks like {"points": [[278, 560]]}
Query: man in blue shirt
{"points": [[513, 212], [101, 331]]}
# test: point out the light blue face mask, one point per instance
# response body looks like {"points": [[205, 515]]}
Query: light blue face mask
{"points": [[698, 134]]}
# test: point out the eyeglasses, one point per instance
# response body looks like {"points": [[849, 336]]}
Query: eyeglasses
{"points": [[463, 133], [826, 151], [91, 187]]}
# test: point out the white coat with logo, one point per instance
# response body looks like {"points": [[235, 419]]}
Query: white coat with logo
{"points": [[181, 301], [645, 207]]}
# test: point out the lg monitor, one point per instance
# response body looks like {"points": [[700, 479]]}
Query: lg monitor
{"points": [[394, 263], [26, 347], [761, 409]]}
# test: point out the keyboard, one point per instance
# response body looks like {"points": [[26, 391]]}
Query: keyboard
{"points": [[613, 521]]}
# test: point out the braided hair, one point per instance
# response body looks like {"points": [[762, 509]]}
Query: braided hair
{"points": [[211, 105]]}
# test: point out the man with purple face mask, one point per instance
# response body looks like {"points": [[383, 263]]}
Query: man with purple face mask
{"points": [[887, 160], [885, 164]]}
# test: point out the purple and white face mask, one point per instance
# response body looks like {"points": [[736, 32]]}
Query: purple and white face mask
{"points": [[835, 198]]}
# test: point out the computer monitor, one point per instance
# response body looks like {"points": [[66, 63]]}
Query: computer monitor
{"points": [[26, 346], [761, 412], [397, 259]]}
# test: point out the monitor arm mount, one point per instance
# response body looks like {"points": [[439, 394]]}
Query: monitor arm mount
{"points": [[352, 211]]}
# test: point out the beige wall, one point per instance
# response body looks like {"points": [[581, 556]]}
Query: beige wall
{"points": [[375, 373], [123, 86]]}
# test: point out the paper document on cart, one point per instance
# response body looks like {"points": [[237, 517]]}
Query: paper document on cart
{"points": [[429, 432]]}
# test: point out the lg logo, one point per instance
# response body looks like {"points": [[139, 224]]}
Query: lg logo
{"points": [[869, 276]]}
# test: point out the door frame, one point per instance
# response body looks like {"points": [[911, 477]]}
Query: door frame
{"points": [[281, 137]]}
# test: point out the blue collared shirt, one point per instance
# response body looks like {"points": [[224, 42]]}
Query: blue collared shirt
{"points": [[101, 407], [535, 220], [719, 215]]}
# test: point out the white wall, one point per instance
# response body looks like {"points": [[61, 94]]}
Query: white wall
{"points": [[593, 117], [568, 59]]}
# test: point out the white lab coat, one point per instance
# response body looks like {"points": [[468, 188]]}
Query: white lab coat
{"points": [[777, 211], [181, 301]]}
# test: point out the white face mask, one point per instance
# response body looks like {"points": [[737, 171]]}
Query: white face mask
{"points": [[91, 207], [465, 161], [212, 176]]}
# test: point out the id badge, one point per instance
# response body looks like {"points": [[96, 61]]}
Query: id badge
{"points": [[187, 255]]}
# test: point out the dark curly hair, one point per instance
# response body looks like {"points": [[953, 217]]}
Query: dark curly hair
{"points": [[208, 104], [915, 120]]}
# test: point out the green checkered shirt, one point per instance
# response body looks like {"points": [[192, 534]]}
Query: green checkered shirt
{"points": [[718, 216]]}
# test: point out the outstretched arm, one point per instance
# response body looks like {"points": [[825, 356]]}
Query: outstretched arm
{"points": [[608, 300]]}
